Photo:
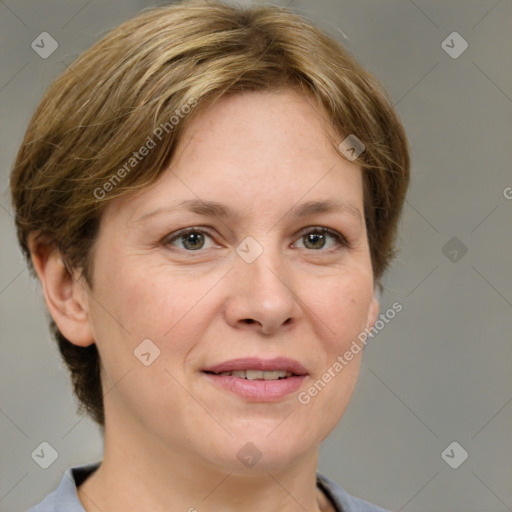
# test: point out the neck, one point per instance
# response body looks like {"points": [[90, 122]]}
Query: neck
{"points": [[139, 473]]}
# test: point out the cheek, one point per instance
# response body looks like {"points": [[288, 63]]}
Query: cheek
{"points": [[150, 302], [340, 310], [137, 295], [342, 304]]}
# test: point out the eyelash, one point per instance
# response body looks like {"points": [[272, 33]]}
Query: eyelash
{"points": [[341, 241]]}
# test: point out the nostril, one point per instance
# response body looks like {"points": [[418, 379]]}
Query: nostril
{"points": [[249, 321]]}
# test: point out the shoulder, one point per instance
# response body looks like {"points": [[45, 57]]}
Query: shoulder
{"points": [[343, 501], [65, 497]]}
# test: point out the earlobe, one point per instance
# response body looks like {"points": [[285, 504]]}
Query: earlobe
{"points": [[373, 311], [65, 294]]}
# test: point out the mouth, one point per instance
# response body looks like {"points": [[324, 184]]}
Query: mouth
{"points": [[258, 380], [256, 374]]}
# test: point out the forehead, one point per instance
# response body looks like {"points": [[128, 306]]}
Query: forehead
{"points": [[261, 123], [254, 150]]}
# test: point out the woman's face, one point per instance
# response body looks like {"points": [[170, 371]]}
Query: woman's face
{"points": [[254, 179]]}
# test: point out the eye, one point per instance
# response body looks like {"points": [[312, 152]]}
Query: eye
{"points": [[322, 238], [191, 239]]}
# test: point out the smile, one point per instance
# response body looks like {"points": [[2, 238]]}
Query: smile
{"points": [[258, 380], [258, 374]]}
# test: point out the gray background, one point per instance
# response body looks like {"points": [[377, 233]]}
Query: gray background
{"points": [[437, 373]]}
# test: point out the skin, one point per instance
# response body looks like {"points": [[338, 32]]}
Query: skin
{"points": [[171, 436]]}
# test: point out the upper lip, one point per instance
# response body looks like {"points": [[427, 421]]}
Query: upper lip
{"points": [[254, 363]]}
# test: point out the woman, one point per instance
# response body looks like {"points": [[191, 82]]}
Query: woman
{"points": [[209, 197]]}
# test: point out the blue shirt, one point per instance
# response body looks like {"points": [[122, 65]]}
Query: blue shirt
{"points": [[65, 497]]}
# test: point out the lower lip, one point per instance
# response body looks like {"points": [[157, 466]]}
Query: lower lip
{"points": [[258, 390]]}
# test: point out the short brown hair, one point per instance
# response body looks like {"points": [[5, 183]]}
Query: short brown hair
{"points": [[141, 76]]}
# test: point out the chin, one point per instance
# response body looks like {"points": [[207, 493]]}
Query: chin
{"points": [[264, 449]]}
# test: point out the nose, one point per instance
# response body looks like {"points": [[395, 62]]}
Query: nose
{"points": [[261, 296]]}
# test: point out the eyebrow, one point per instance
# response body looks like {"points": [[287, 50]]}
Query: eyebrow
{"points": [[206, 208], [216, 209], [312, 207]]}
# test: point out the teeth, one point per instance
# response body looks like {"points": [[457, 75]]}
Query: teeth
{"points": [[254, 374], [258, 374]]}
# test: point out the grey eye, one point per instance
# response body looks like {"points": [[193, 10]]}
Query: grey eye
{"points": [[191, 240], [314, 240]]}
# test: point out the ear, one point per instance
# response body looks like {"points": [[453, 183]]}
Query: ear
{"points": [[65, 294], [373, 310]]}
